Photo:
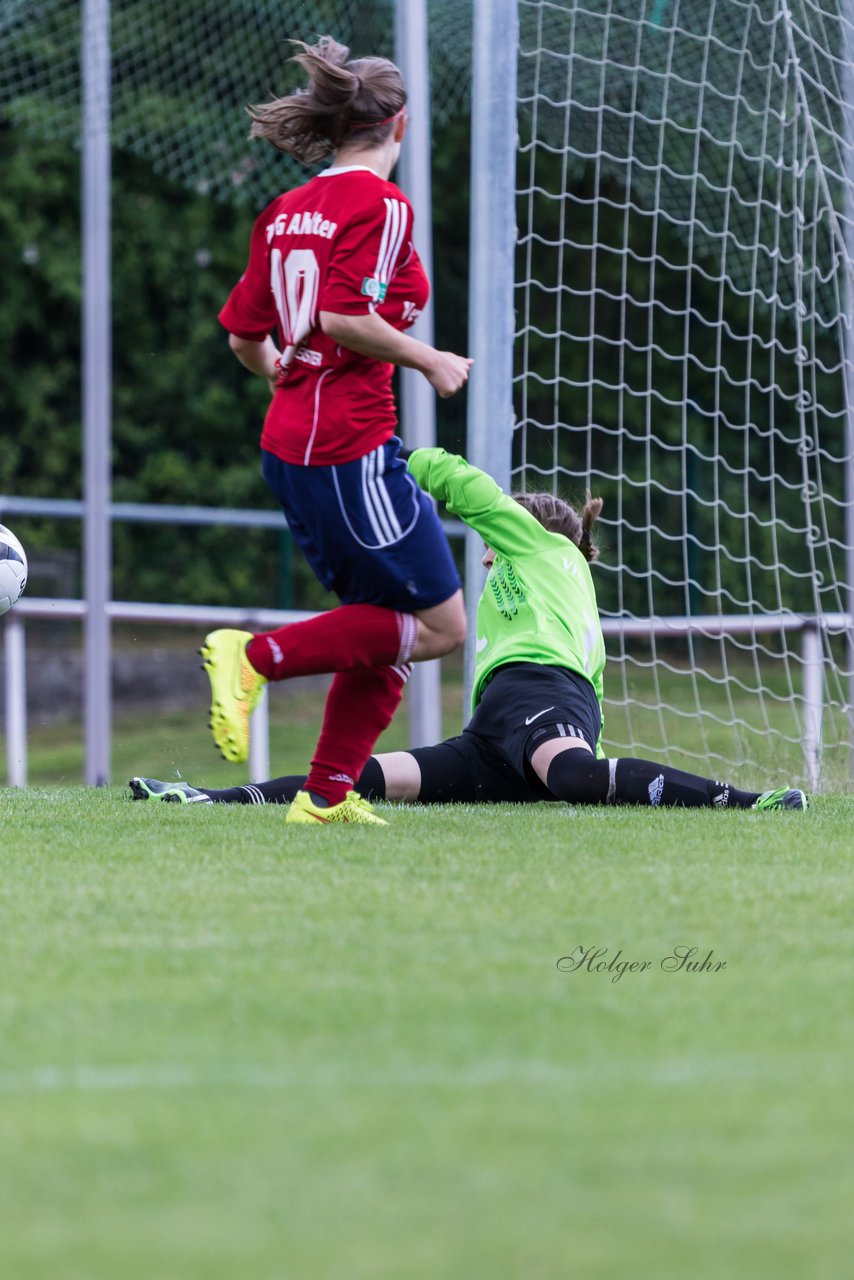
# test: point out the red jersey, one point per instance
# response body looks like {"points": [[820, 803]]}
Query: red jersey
{"points": [[340, 243]]}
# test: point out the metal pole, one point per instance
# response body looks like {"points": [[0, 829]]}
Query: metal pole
{"points": [[14, 646], [491, 272], [847, 324], [849, 492], [97, 362], [812, 657], [259, 740], [418, 401], [849, 499]]}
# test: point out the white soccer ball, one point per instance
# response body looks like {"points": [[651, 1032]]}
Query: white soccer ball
{"points": [[13, 569]]}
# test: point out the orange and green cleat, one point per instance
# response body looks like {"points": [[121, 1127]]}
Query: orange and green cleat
{"points": [[235, 689]]}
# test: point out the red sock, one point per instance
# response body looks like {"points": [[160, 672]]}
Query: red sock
{"points": [[359, 705], [353, 635]]}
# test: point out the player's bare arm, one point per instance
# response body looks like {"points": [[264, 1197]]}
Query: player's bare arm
{"points": [[258, 357], [370, 335]]}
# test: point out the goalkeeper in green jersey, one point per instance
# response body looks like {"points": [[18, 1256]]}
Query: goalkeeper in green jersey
{"points": [[536, 728]]}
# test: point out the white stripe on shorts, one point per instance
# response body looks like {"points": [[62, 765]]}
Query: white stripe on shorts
{"points": [[376, 518], [384, 495]]}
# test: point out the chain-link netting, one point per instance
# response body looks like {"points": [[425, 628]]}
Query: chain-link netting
{"points": [[721, 117], [684, 270], [182, 75]]}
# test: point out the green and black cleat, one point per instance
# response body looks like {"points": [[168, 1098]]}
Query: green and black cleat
{"points": [[167, 792], [783, 798]]}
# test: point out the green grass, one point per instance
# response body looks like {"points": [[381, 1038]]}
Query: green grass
{"points": [[229, 1048]]}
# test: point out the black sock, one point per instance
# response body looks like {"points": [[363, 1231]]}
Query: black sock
{"points": [[371, 785], [577, 777], [276, 791], [642, 782]]}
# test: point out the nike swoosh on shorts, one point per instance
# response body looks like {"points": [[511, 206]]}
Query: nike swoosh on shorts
{"points": [[531, 719]]}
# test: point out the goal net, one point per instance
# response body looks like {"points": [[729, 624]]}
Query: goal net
{"points": [[683, 349]]}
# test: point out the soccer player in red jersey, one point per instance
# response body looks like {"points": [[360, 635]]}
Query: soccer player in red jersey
{"points": [[334, 272]]}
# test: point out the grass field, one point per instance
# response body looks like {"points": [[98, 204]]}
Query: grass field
{"points": [[232, 1049]]}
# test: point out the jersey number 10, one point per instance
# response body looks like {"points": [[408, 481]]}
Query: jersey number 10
{"points": [[295, 280]]}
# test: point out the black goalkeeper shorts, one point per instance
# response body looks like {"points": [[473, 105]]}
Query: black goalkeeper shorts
{"points": [[523, 706]]}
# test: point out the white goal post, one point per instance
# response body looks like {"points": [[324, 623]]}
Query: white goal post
{"points": [[683, 273]]}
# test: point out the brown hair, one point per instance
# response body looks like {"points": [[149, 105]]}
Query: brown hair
{"points": [[344, 100], [558, 516]]}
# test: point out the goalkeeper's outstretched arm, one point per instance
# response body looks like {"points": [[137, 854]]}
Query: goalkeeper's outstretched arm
{"points": [[515, 526], [474, 496]]}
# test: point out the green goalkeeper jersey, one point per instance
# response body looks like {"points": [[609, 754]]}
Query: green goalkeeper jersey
{"points": [[539, 602]]}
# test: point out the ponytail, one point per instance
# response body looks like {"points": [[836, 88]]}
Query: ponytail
{"points": [[362, 98], [558, 516], [589, 516]]}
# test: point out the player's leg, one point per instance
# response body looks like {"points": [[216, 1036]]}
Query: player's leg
{"points": [[342, 639], [547, 721], [572, 773], [466, 770], [443, 774], [353, 635], [239, 663], [441, 629], [380, 544], [456, 771], [359, 706], [391, 775], [275, 791], [371, 784], [461, 770], [373, 537]]}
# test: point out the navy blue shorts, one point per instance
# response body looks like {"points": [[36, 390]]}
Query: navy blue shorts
{"points": [[367, 530]]}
